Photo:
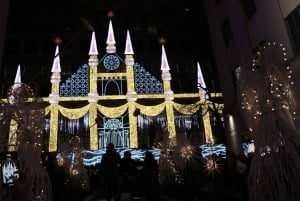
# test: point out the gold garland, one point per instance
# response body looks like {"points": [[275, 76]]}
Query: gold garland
{"points": [[151, 110], [73, 113], [112, 112], [187, 109]]}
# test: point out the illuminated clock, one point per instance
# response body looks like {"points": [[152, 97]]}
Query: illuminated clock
{"points": [[111, 62]]}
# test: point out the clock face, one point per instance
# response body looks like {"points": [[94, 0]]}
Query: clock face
{"points": [[111, 62]]}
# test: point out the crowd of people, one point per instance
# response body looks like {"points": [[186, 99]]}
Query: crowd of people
{"points": [[124, 178], [119, 178]]}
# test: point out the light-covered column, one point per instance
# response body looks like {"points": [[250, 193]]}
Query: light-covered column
{"points": [[13, 127], [170, 120], [133, 135], [169, 94], [207, 125], [94, 126], [93, 94], [53, 127], [131, 94], [54, 100]]}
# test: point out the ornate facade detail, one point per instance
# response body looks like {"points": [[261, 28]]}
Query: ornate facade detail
{"points": [[145, 83], [77, 84]]}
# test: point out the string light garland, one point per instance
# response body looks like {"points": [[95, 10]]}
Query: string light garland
{"points": [[168, 170], [71, 159], [175, 158], [269, 108], [23, 112]]}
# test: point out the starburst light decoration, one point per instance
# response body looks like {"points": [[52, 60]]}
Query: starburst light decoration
{"points": [[177, 155], [212, 163]]}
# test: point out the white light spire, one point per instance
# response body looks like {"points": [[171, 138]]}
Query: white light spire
{"points": [[93, 63], [17, 84], [56, 61], [164, 60], [110, 48], [55, 78], [128, 47], [18, 76], [201, 83], [166, 76], [93, 46]]}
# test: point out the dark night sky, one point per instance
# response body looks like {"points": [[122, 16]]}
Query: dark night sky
{"points": [[33, 25]]}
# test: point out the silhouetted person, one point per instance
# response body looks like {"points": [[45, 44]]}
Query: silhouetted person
{"points": [[150, 177], [128, 173], [57, 177], [110, 166]]}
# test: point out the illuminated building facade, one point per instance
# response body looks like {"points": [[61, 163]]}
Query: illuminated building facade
{"points": [[120, 102], [115, 99]]}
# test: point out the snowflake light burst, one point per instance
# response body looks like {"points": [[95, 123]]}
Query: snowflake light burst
{"points": [[213, 165], [186, 152]]}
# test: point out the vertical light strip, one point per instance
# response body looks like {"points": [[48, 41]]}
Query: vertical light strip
{"points": [[133, 136], [207, 126], [93, 61], [170, 119], [130, 75], [53, 128], [93, 127], [12, 141]]}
